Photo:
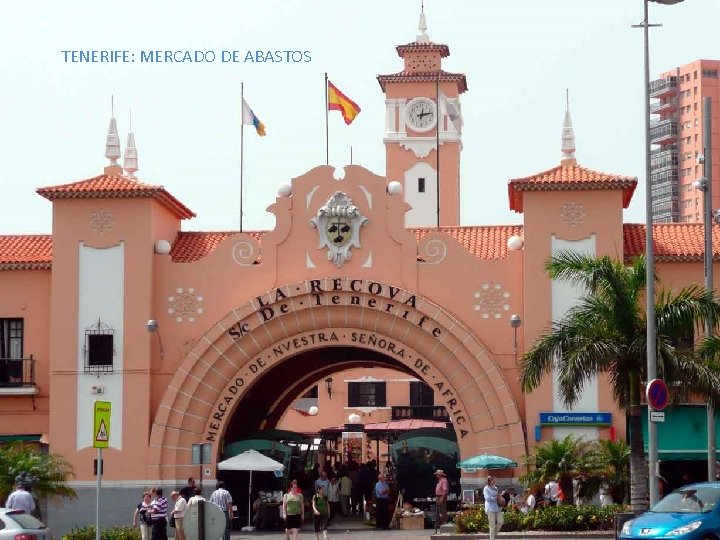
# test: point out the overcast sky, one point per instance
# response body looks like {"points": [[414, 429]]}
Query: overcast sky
{"points": [[518, 55]]}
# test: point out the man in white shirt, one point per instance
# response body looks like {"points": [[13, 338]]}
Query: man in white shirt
{"points": [[20, 499], [222, 499], [197, 497], [552, 490], [178, 512]]}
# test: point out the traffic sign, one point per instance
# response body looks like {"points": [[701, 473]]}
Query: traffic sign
{"points": [[657, 394], [657, 416], [101, 424]]}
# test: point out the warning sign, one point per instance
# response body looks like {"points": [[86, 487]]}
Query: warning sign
{"points": [[101, 425]]}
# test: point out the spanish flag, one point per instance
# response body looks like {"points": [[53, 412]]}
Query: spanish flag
{"points": [[337, 101]]}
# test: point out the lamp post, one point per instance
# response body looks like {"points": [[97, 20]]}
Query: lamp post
{"points": [[515, 322], [651, 331]]}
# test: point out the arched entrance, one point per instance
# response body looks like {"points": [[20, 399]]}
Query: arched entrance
{"points": [[236, 355]]}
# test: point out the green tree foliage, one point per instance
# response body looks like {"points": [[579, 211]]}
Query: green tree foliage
{"points": [[605, 333], [50, 472]]}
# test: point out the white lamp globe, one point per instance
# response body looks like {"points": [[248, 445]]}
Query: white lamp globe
{"points": [[162, 247], [515, 243], [312, 411], [394, 188], [284, 190], [354, 418]]}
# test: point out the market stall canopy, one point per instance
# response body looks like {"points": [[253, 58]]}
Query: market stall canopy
{"points": [[384, 429], [278, 435], [431, 443], [250, 460], [487, 461], [440, 432]]}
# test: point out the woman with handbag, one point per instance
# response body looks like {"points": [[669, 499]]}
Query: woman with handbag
{"points": [[141, 518]]}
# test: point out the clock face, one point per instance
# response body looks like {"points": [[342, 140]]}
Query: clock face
{"points": [[421, 114]]}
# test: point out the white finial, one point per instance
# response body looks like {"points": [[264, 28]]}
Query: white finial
{"points": [[568, 136], [112, 142], [130, 164], [422, 37]]}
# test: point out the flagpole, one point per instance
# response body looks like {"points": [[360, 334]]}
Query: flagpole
{"points": [[242, 150], [437, 147], [351, 155], [327, 139]]}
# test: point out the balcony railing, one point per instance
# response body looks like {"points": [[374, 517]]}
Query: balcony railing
{"points": [[665, 105], [661, 87], [663, 132], [17, 372], [420, 412]]}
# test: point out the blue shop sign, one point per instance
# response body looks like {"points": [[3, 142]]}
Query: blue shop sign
{"points": [[575, 419]]}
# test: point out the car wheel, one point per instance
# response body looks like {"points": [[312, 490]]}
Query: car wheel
{"points": [[708, 537]]}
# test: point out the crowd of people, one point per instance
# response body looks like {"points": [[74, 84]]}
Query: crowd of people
{"points": [[152, 513]]}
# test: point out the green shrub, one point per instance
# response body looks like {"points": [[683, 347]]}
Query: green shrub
{"points": [[112, 533], [552, 518]]}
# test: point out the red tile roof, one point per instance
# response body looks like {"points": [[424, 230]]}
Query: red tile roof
{"points": [[193, 246], [672, 242], [426, 76], [108, 186], [26, 252], [443, 49], [485, 242], [570, 177]]}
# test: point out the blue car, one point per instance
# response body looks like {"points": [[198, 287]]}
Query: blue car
{"points": [[689, 513]]}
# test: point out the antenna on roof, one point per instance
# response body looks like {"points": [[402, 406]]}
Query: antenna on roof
{"points": [[567, 158], [112, 142], [422, 37], [130, 164]]}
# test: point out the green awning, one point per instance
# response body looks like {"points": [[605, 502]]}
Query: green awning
{"points": [[683, 435], [22, 438]]}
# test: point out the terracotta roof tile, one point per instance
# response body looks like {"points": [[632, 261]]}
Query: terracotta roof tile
{"points": [[193, 246], [485, 242], [26, 252], [672, 242], [443, 49], [108, 186], [571, 177], [427, 76]]}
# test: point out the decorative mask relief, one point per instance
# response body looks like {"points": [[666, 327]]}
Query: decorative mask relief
{"points": [[492, 300], [185, 305], [338, 224]]}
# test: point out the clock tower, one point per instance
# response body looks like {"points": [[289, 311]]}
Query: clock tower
{"points": [[423, 113]]}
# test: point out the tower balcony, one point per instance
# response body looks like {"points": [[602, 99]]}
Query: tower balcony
{"points": [[664, 177], [420, 412], [660, 88], [663, 132], [664, 106], [664, 158]]}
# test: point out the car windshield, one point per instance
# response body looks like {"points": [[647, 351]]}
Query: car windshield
{"points": [[690, 501], [26, 521]]}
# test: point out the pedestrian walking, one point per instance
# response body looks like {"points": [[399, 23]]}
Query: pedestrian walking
{"points": [[442, 488], [490, 493], [321, 512], [178, 514], [345, 493], [294, 510], [189, 490], [141, 516], [223, 500], [158, 513], [382, 498], [20, 499]]}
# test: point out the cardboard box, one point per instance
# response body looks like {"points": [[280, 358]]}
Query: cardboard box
{"points": [[412, 522]]}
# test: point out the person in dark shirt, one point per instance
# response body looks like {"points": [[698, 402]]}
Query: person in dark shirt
{"points": [[189, 490]]}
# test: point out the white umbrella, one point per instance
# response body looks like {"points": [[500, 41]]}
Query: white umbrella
{"points": [[250, 460]]}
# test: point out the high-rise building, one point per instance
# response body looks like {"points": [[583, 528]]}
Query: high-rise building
{"points": [[676, 134]]}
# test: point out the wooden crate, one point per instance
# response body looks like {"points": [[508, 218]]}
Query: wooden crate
{"points": [[412, 522]]}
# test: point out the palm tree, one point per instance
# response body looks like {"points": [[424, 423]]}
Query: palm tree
{"points": [[558, 459], [606, 333], [608, 467], [49, 473]]}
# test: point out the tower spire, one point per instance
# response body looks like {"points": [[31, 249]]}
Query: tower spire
{"points": [[112, 142], [130, 163], [568, 137], [422, 37]]}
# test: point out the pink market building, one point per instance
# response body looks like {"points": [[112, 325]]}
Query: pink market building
{"points": [[355, 282]]}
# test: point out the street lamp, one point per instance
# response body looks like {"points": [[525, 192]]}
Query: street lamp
{"points": [[704, 184], [328, 386], [154, 328], [515, 322], [651, 335]]}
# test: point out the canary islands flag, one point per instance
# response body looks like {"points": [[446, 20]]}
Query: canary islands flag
{"points": [[249, 119], [337, 101]]}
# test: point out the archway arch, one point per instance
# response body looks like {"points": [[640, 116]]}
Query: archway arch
{"points": [[273, 328]]}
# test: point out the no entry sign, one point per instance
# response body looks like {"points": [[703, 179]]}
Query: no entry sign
{"points": [[657, 394]]}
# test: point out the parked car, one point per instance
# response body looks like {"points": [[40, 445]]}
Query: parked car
{"points": [[691, 513], [17, 525]]}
